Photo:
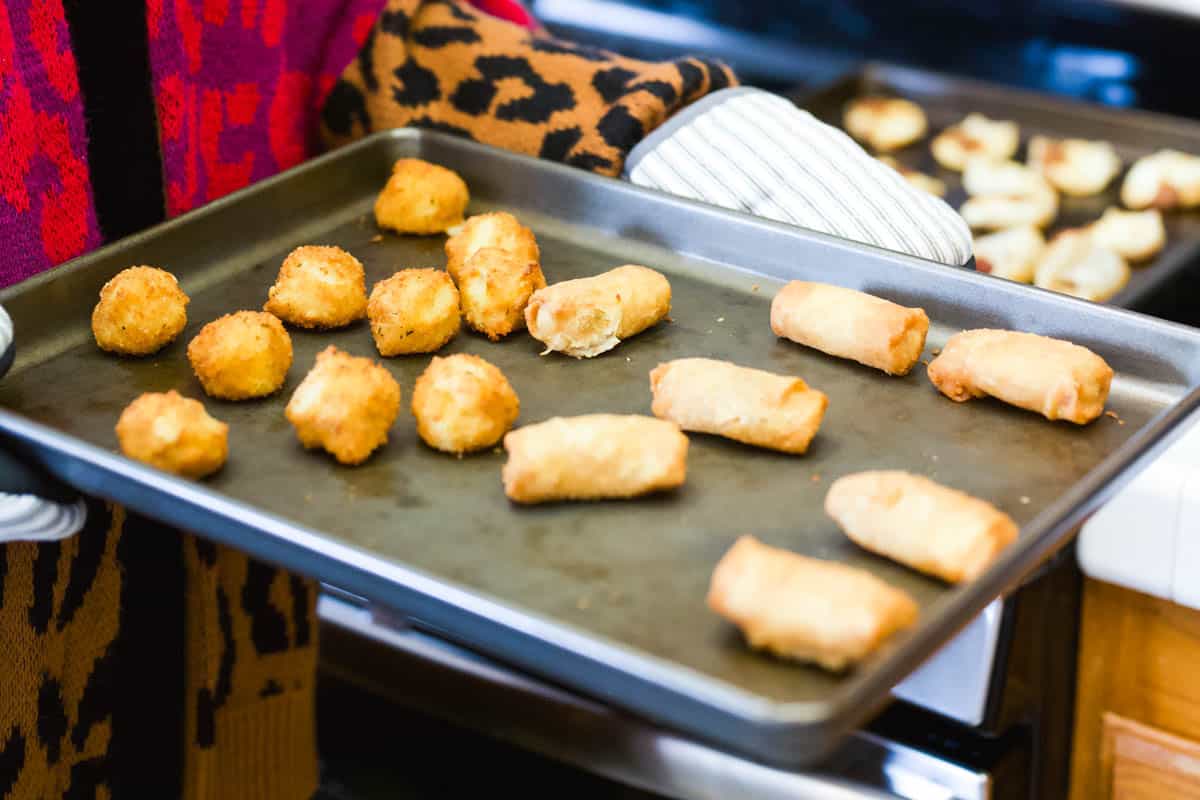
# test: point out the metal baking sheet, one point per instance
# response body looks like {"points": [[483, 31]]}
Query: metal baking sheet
{"points": [[1133, 134], [606, 598]]}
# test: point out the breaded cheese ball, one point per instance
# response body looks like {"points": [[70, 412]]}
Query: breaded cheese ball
{"points": [[462, 404], [141, 311], [241, 355], [497, 229], [495, 288], [414, 311], [319, 287], [421, 198], [174, 434], [345, 405]]}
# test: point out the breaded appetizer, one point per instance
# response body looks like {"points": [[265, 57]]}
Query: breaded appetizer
{"points": [[983, 177], [804, 608], [779, 412], [1075, 263], [495, 288], [926, 183], [850, 324], [885, 123], [589, 316], [141, 311], [319, 287], [975, 136], [1165, 180], [593, 457], [498, 229], [1134, 235], [932, 528], [241, 355], [414, 311], [1077, 167], [421, 198], [345, 405], [999, 211], [1051, 377], [1011, 254], [463, 404], [174, 434]]}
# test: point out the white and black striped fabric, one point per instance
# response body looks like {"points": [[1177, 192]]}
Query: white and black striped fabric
{"points": [[749, 150]]}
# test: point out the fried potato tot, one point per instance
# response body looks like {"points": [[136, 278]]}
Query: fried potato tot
{"points": [[319, 287], [589, 316], [495, 288], [498, 229], [174, 434], [345, 405], [462, 404], [885, 123], [414, 311], [593, 457], [421, 198], [241, 355], [805, 608], [141, 311]]}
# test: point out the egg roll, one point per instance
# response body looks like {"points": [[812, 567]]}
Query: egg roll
{"points": [[779, 412], [850, 324], [908, 518], [805, 608], [1051, 377], [589, 316], [593, 457]]}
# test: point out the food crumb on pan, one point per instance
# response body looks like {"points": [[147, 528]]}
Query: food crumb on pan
{"points": [[377, 238], [925, 361], [754, 288], [1114, 415], [1024, 500], [720, 319], [816, 476]]}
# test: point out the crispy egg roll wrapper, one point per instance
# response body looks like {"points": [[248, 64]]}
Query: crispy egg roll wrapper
{"points": [[805, 608], [760, 408], [592, 457], [850, 324], [932, 528], [1051, 377], [589, 316]]}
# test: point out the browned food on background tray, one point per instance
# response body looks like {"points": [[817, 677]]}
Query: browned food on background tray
{"points": [[495, 287], [1077, 167], [319, 287], [805, 608], [926, 183], [414, 311], [850, 324], [1051, 377], [974, 137], [593, 457], [1134, 235], [141, 310], [241, 355], [885, 123], [779, 412], [345, 405], [1166, 179], [463, 404], [1011, 254], [174, 434], [498, 229], [920, 523], [1075, 263], [589, 316], [421, 198]]}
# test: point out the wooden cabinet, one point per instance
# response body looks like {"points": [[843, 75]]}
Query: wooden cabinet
{"points": [[1137, 712]]}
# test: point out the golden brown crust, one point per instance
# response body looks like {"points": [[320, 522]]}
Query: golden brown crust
{"points": [[850, 324], [345, 405], [462, 404], [805, 608], [241, 355], [495, 288], [421, 198], [174, 434], [319, 287], [414, 311], [922, 524], [141, 310], [760, 408], [498, 229], [885, 123], [1051, 377]]}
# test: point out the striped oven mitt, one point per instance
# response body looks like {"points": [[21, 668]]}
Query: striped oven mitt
{"points": [[749, 150]]}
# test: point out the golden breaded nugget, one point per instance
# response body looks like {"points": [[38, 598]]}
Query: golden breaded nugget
{"points": [[414, 311], [319, 287], [805, 608], [241, 355], [495, 288], [462, 404], [498, 229], [174, 434], [141, 311], [421, 198], [345, 405]]}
